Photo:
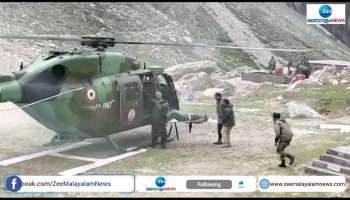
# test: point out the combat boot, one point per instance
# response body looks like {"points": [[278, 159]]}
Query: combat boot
{"points": [[163, 142], [154, 141], [283, 164], [292, 158], [218, 142], [226, 146], [153, 145]]}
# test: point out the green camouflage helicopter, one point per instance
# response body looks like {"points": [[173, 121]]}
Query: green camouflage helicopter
{"points": [[84, 94]]}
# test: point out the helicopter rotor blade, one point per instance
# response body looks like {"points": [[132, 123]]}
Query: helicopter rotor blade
{"points": [[41, 37], [211, 46], [112, 41]]}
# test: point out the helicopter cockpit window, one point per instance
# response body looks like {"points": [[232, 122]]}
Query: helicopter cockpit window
{"points": [[44, 84]]}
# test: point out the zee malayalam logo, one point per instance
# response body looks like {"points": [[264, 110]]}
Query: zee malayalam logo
{"points": [[325, 14]]}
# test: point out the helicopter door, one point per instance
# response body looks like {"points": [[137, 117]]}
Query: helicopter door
{"points": [[131, 100], [168, 89]]}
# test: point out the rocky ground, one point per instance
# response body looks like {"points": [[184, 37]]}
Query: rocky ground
{"points": [[252, 152], [200, 72]]}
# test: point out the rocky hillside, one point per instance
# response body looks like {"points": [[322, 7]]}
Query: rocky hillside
{"points": [[245, 24]]}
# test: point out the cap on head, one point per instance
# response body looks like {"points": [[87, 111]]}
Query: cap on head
{"points": [[218, 96], [276, 115]]}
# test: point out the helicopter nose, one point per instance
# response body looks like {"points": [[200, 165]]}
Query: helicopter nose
{"points": [[10, 91]]}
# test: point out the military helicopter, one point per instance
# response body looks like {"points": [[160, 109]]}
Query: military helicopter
{"points": [[85, 94]]}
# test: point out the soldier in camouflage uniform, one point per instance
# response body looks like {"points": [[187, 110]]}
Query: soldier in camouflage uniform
{"points": [[272, 64], [159, 120], [228, 121], [306, 69], [290, 66], [283, 138]]}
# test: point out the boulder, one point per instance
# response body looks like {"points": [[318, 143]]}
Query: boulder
{"points": [[242, 88], [197, 81], [344, 81], [180, 70], [238, 71], [292, 86], [203, 79], [301, 110], [281, 99], [330, 75], [347, 110], [324, 75], [334, 81], [345, 71], [307, 83], [211, 91]]}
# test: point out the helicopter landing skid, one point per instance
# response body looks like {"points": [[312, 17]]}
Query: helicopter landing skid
{"points": [[59, 139]]}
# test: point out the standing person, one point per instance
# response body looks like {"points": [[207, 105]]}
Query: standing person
{"points": [[305, 62], [219, 112], [228, 121], [159, 120], [272, 64], [283, 138], [290, 66]]}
